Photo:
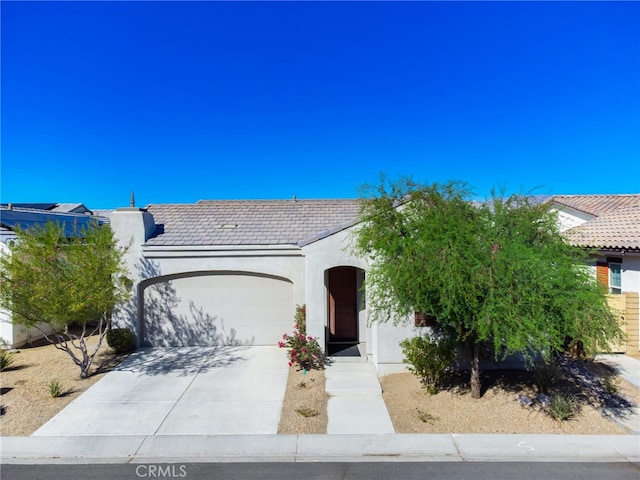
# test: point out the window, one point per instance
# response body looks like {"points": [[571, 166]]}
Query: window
{"points": [[615, 278], [609, 274]]}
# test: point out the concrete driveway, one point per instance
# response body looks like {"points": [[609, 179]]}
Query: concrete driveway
{"points": [[182, 391]]}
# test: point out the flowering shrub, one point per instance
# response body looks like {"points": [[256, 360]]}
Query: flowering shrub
{"points": [[304, 350]]}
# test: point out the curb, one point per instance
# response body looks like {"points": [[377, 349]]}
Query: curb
{"points": [[320, 448]]}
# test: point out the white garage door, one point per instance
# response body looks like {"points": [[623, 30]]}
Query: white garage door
{"points": [[218, 310]]}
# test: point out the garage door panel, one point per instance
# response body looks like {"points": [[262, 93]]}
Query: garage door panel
{"points": [[205, 310]]}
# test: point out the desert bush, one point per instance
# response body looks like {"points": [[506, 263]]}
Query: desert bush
{"points": [[120, 340], [6, 356], [307, 412], [429, 357], [546, 376], [55, 388], [562, 406]]}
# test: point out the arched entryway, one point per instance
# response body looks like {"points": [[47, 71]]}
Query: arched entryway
{"points": [[344, 305]]}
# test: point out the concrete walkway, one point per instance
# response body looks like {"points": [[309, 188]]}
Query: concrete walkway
{"points": [[355, 403]]}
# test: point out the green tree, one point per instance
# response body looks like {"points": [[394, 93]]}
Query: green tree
{"points": [[497, 271], [65, 282]]}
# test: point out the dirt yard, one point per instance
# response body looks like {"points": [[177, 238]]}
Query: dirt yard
{"points": [[26, 404], [413, 410], [499, 410]]}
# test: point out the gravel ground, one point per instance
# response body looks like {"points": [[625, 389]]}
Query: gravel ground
{"points": [[26, 404], [509, 405], [304, 409]]}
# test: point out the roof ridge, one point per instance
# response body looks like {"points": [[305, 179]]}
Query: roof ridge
{"points": [[597, 195]]}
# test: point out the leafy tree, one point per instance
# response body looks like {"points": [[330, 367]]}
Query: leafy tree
{"points": [[497, 271], [64, 282]]}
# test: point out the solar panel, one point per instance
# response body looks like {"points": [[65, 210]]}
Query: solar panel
{"points": [[26, 219]]}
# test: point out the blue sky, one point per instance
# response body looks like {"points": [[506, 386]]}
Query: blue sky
{"points": [[240, 100]]}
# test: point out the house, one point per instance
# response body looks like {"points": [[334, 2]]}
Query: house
{"points": [[609, 226], [73, 216], [226, 271]]}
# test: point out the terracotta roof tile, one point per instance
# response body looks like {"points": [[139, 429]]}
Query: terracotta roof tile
{"points": [[617, 229], [597, 204]]}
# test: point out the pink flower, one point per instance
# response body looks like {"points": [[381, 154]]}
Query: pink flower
{"points": [[281, 344], [284, 336], [290, 364]]}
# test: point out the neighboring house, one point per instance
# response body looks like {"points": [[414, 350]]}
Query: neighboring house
{"points": [[609, 225], [26, 215]]}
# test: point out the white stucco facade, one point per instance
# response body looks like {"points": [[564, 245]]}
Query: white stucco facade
{"points": [[180, 270], [570, 217]]}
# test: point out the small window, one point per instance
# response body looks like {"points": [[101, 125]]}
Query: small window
{"points": [[424, 320], [615, 278]]}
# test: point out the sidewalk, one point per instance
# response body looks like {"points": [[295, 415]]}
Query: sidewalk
{"points": [[320, 448], [628, 368]]}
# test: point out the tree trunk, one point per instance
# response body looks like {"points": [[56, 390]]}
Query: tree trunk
{"points": [[475, 371]]}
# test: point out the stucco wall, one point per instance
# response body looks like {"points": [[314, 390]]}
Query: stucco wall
{"points": [[569, 217], [631, 273], [320, 256]]}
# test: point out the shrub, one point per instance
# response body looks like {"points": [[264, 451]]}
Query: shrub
{"points": [[120, 340], [55, 388], [429, 358], [307, 412], [304, 350], [6, 356], [545, 376], [562, 406]]}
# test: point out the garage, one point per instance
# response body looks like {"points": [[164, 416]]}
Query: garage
{"points": [[208, 309]]}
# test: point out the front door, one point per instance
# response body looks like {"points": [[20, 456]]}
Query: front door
{"points": [[343, 305]]}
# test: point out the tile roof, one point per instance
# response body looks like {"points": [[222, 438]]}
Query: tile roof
{"points": [[616, 222], [618, 229], [249, 222], [597, 204]]}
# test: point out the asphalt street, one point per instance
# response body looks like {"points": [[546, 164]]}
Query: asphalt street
{"points": [[329, 471]]}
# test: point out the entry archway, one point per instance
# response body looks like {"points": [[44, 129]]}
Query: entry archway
{"points": [[343, 325]]}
